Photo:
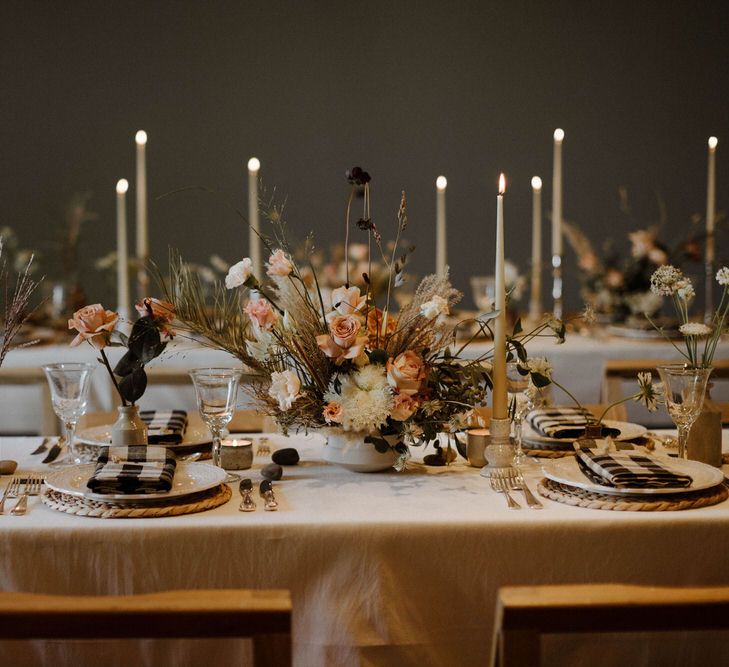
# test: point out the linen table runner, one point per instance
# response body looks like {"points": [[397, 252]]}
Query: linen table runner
{"points": [[626, 470], [137, 469], [165, 426], [563, 422]]}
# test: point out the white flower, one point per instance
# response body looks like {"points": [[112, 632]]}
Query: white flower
{"points": [[347, 301], [649, 394], [435, 307], [285, 386], [695, 329], [539, 365], [239, 273], [258, 349], [664, 279], [684, 289], [365, 399], [722, 276]]}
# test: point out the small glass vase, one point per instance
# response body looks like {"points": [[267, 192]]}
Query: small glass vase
{"points": [[129, 429]]}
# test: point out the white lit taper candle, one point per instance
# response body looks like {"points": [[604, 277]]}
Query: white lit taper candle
{"points": [[142, 230], [254, 241], [710, 229], [500, 402], [535, 298], [122, 259], [557, 222], [441, 257]]}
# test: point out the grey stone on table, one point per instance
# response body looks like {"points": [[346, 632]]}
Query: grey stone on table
{"points": [[272, 472], [8, 467], [286, 457]]}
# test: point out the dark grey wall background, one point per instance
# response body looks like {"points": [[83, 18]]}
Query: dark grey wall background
{"points": [[408, 90]]}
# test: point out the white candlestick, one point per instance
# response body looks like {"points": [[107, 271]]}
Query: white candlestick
{"points": [[500, 402], [440, 226], [142, 230], [535, 301], [122, 259], [557, 224], [254, 241], [710, 230]]}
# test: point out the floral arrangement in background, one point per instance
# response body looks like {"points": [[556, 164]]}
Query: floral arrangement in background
{"points": [[15, 300], [617, 284], [147, 340], [354, 361], [670, 281]]}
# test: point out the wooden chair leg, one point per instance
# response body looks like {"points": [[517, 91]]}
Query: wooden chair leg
{"points": [[518, 648]]}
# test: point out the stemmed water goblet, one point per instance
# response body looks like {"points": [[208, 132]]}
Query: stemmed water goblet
{"points": [[69, 384], [683, 390], [520, 402], [217, 392]]}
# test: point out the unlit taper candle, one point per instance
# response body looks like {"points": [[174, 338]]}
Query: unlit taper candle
{"points": [[254, 241], [535, 298], [441, 261], [142, 228], [122, 258]]}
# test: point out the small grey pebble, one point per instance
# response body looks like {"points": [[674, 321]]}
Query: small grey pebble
{"points": [[286, 457], [272, 472], [8, 467]]}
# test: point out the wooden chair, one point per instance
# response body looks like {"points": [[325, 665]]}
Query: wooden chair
{"points": [[524, 613], [29, 377], [256, 614], [617, 371]]}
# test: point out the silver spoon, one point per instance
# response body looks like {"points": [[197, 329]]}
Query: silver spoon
{"points": [[247, 504]]}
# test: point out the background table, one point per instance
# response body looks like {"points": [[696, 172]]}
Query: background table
{"points": [[384, 569], [578, 364]]}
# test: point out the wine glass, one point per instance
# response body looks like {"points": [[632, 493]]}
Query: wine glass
{"points": [[520, 400], [69, 384], [483, 289], [217, 391], [683, 390]]}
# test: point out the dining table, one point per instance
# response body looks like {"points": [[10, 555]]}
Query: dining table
{"points": [[392, 568]]}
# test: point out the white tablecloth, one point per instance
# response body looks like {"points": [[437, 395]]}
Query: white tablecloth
{"points": [[384, 569], [578, 364]]}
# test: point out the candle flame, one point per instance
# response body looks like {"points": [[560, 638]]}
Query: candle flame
{"points": [[559, 135], [713, 141], [122, 185], [536, 183], [141, 138], [502, 184], [441, 183], [254, 164]]}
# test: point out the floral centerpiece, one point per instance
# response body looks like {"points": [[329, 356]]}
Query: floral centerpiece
{"points": [[354, 364]]}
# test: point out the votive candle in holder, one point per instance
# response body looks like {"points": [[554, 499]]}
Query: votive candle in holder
{"points": [[236, 454]]}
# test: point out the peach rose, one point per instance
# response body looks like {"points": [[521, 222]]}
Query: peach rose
{"points": [[261, 313], [279, 264], [344, 330], [406, 372], [94, 324], [403, 407], [332, 412], [156, 308], [343, 341]]}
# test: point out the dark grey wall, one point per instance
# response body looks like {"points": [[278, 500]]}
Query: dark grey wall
{"points": [[407, 90]]}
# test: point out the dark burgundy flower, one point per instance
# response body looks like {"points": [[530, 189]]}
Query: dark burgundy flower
{"points": [[357, 176]]}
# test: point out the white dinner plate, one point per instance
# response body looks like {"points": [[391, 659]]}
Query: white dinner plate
{"points": [[189, 478], [628, 431], [566, 471], [195, 434]]}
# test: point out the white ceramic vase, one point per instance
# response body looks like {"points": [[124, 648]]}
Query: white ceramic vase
{"points": [[349, 450], [129, 429]]}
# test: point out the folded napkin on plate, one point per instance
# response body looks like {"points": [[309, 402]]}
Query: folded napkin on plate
{"points": [[137, 469], [626, 470], [556, 422], [165, 426]]}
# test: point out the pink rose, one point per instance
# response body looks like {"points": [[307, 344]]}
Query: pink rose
{"points": [[94, 324], [343, 341], [406, 372], [261, 313], [332, 412], [403, 407], [279, 264]]}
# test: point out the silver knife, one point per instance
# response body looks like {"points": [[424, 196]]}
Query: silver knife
{"points": [[266, 490], [41, 448], [53, 453]]}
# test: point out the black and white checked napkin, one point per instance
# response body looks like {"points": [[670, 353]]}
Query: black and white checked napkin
{"points": [[137, 469], [164, 426], [628, 470], [563, 422]]}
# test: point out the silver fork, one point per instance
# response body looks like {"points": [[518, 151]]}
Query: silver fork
{"points": [[11, 490], [499, 484], [516, 482], [32, 487]]}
